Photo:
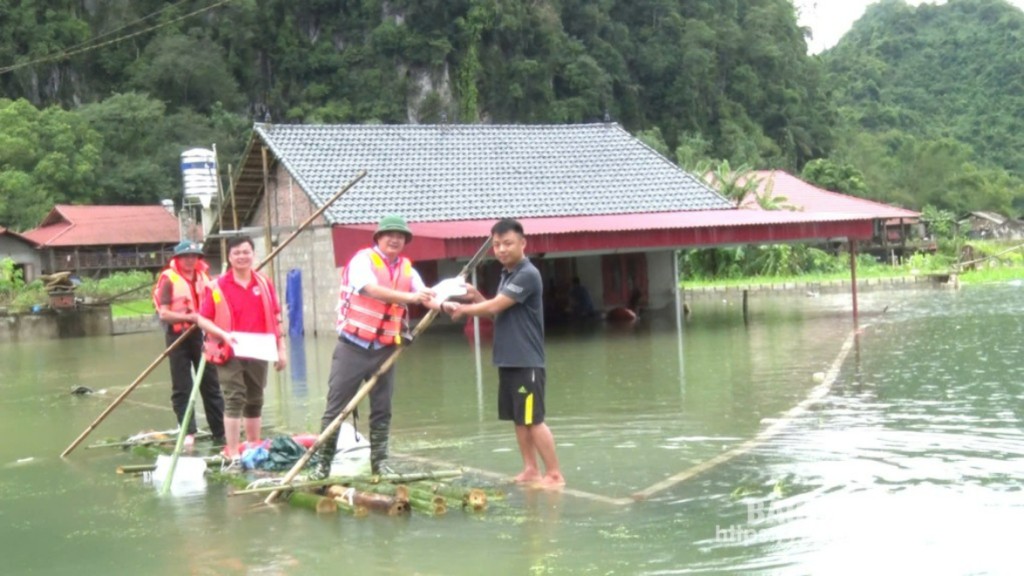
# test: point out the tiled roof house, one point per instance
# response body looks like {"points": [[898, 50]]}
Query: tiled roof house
{"points": [[595, 201]]}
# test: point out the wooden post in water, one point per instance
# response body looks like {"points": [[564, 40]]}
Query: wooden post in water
{"points": [[853, 280], [268, 244], [746, 319]]}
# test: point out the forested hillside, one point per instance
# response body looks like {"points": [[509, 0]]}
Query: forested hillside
{"points": [[146, 78], [98, 98], [932, 99]]}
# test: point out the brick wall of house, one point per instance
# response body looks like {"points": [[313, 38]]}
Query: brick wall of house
{"points": [[311, 252]]}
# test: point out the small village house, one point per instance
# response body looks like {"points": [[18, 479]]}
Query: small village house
{"points": [[596, 203], [22, 252], [95, 241], [990, 226]]}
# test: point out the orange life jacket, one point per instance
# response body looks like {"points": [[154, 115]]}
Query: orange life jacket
{"points": [[368, 318], [218, 352], [181, 293]]}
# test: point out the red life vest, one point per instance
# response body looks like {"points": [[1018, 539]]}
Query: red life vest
{"points": [[368, 318], [218, 352], [181, 292]]}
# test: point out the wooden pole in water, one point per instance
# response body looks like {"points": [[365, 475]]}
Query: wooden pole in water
{"points": [[746, 317], [131, 387], [853, 280], [267, 242], [120, 398], [372, 381]]}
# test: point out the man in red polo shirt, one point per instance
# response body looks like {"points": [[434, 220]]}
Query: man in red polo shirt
{"points": [[241, 300]]}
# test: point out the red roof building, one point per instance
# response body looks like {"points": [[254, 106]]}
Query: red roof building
{"points": [[787, 192], [795, 194], [95, 240]]}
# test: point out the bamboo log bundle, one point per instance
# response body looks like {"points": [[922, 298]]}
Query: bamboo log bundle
{"points": [[357, 511], [418, 497], [428, 503], [380, 503], [398, 491], [318, 504], [472, 498], [382, 479]]}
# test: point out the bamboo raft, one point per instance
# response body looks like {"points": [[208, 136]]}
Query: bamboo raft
{"points": [[428, 493]]}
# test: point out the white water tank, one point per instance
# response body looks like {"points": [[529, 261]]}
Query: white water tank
{"points": [[199, 176]]}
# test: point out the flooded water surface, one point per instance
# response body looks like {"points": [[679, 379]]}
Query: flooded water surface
{"points": [[910, 461]]}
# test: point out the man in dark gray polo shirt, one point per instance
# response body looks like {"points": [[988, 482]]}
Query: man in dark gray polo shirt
{"points": [[518, 312]]}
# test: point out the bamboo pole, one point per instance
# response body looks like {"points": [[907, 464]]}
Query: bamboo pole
{"points": [[131, 387], [120, 398], [372, 381], [197, 377]]}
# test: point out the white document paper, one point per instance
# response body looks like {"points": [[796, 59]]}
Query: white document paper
{"points": [[258, 346], [449, 288]]}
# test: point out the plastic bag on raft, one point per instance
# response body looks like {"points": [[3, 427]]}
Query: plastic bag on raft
{"points": [[189, 474]]}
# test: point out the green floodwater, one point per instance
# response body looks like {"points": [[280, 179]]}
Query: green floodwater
{"points": [[911, 464]]}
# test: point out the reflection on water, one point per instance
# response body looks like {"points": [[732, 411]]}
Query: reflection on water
{"points": [[912, 460]]}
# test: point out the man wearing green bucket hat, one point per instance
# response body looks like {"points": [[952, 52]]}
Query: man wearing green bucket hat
{"points": [[377, 286], [176, 296]]}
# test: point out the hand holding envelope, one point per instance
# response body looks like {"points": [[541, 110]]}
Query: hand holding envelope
{"points": [[450, 288], [258, 346]]}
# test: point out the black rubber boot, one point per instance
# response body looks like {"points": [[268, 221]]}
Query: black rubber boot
{"points": [[325, 455], [379, 450]]}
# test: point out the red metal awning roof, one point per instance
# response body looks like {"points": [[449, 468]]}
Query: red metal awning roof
{"points": [[620, 232]]}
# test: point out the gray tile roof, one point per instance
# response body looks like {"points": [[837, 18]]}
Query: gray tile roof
{"points": [[478, 171]]}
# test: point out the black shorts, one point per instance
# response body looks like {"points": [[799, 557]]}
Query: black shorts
{"points": [[521, 395]]}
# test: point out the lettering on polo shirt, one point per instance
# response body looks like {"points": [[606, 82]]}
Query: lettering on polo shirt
{"points": [[514, 288]]}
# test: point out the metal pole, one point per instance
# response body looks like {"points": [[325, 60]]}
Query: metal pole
{"points": [[479, 362], [677, 292]]}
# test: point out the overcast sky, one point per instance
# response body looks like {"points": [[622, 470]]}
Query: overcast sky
{"points": [[830, 19]]}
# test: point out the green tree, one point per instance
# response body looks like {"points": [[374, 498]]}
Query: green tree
{"points": [[143, 143], [187, 72], [835, 176], [47, 156]]}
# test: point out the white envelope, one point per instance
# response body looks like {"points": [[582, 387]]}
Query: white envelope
{"points": [[258, 346], [450, 288]]}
